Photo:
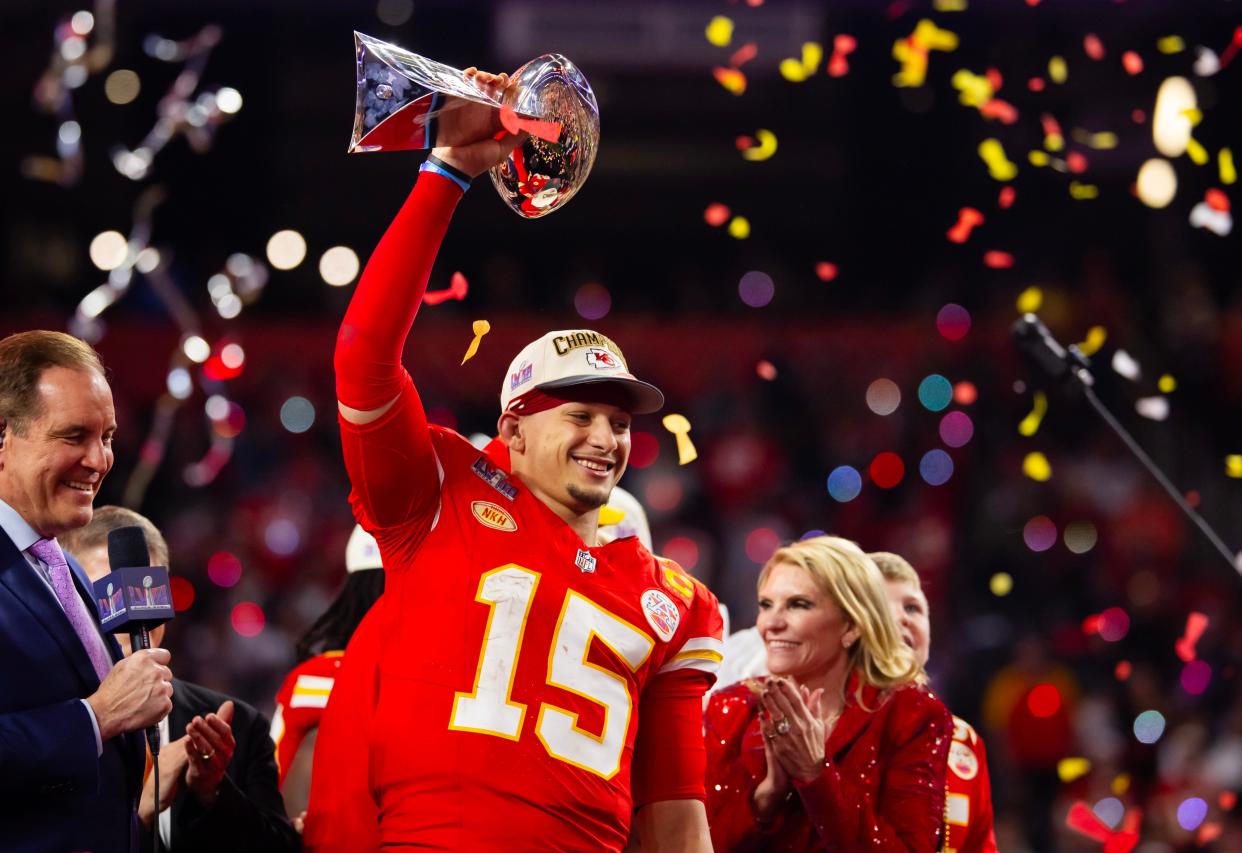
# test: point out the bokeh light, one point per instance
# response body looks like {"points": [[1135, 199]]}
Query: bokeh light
{"points": [[282, 537], [756, 288], [108, 250], [122, 86], [883, 396], [887, 469], [1196, 676], [1191, 812], [224, 569], [844, 483], [592, 301], [683, 550], [338, 266], [761, 543], [286, 249], [180, 383], [248, 619], [663, 493], [1040, 533], [965, 393], [1171, 123], [644, 449], [1157, 183], [229, 100], [394, 13], [182, 593], [1114, 624], [1001, 584], [297, 414], [953, 322], [1044, 700], [936, 467], [1149, 726], [956, 429], [935, 392], [232, 356], [1080, 536], [1110, 810]]}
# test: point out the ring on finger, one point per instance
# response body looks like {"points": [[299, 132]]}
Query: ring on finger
{"points": [[782, 726]]}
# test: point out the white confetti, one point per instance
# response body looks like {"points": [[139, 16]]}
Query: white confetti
{"points": [[1125, 365], [1219, 222], [1207, 62], [1155, 408]]}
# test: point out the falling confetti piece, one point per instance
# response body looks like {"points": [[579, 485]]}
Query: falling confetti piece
{"points": [[842, 46], [1227, 800], [1084, 821], [1216, 199], [1006, 198], [975, 89], [967, 219], [1196, 152], [766, 370], [1233, 466], [1076, 162], [679, 426], [457, 289], [1002, 111], [1030, 300], [1057, 71], [949, 5], [1096, 336], [997, 260], [1054, 139], [1231, 51], [1132, 63], [913, 52], [1209, 832], [797, 70], [1037, 467], [1125, 365], [716, 215], [1093, 47], [1207, 63], [1152, 408], [1036, 84], [1030, 424], [999, 166], [1170, 45], [1082, 192], [720, 31], [1122, 673], [1167, 384], [481, 328], [743, 54], [1228, 173], [826, 270], [732, 79], [1219, 222], [765, 148], [1196, 624], [739, 227], [1070, 769], [548, 131], [1038, 158]]}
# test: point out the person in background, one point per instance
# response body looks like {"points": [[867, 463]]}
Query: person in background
{"points": [[968, 792], [843, 747], [218, 788], [72, 709]]}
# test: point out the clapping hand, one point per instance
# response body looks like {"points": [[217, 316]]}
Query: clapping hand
{"points": [[795, 732], [210, 750]]}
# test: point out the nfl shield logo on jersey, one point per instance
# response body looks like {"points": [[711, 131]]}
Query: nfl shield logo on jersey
{"points": [[661, 613], [585, 561]]}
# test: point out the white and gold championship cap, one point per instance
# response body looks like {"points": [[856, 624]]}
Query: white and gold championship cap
{"points": [[572, 358], [362, 552]]}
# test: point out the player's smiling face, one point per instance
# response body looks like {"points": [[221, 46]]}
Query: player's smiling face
{"points": [[571, 456]]}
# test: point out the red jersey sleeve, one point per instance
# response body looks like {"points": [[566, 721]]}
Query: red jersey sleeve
{"points": [[968, 793], [299, 705], [390, 461], [911, 814]]}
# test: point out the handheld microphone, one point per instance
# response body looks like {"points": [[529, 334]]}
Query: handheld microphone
{"points": [[135, 597]]}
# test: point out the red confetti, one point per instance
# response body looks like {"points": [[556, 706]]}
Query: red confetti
{"points": [[1076, 162], [1036, 84], [182, 593], [1091, 625], [842, 46], [1083, 820], [731, 79], [997, 260], [1051, 126], [1093, 47], [1196, 624], [1138, 116], [1044, 700], [967, 219], [1208, 833], [1006, 112], [744, 142], [1227, 56], [716, 215], [1132, 62], [1007, 195], [1192, 497], [743, 54], [548, 131], [826, 270], [1217, 200], [1227, 800], [1122, 670], [994, 79], [965, 393], [457, 289], [766, 370]]}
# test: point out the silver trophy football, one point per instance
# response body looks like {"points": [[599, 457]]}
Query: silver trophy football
{"points": [[401, 94]]}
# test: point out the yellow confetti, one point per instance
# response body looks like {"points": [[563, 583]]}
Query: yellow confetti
{"points": [[999, 166], [732, 79], [1167, 384], [1030, 300], [1096, 336], [608, 515], [1057, 70], [680, 427], [931, 37], [1121, 784], [1228, 174], [1083, 191], [1037, 467], [976, 90], [1070, 769], [1030, 424], [481, 328], [1197, 153], [797, 70], [912, 52], [720, 31], [1171, 44], [1054, 142], [949, 5], [1233, 466], [1001, 584], [766, 147], [739, 227], [791, 70], [1103, 141], [1194, 115], [1039, 158]]}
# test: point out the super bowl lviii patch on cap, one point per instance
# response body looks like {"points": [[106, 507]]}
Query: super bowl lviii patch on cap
{"points": [[560, 361]]}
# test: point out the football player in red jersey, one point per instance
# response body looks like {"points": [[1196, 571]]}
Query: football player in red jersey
{"points": [[518, 656], [968, 789]]}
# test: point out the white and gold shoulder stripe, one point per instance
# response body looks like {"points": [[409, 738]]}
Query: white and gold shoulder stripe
{"points": [[703, 653]]}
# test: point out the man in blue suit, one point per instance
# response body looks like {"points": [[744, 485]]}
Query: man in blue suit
{"points": [[71, 752]]}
